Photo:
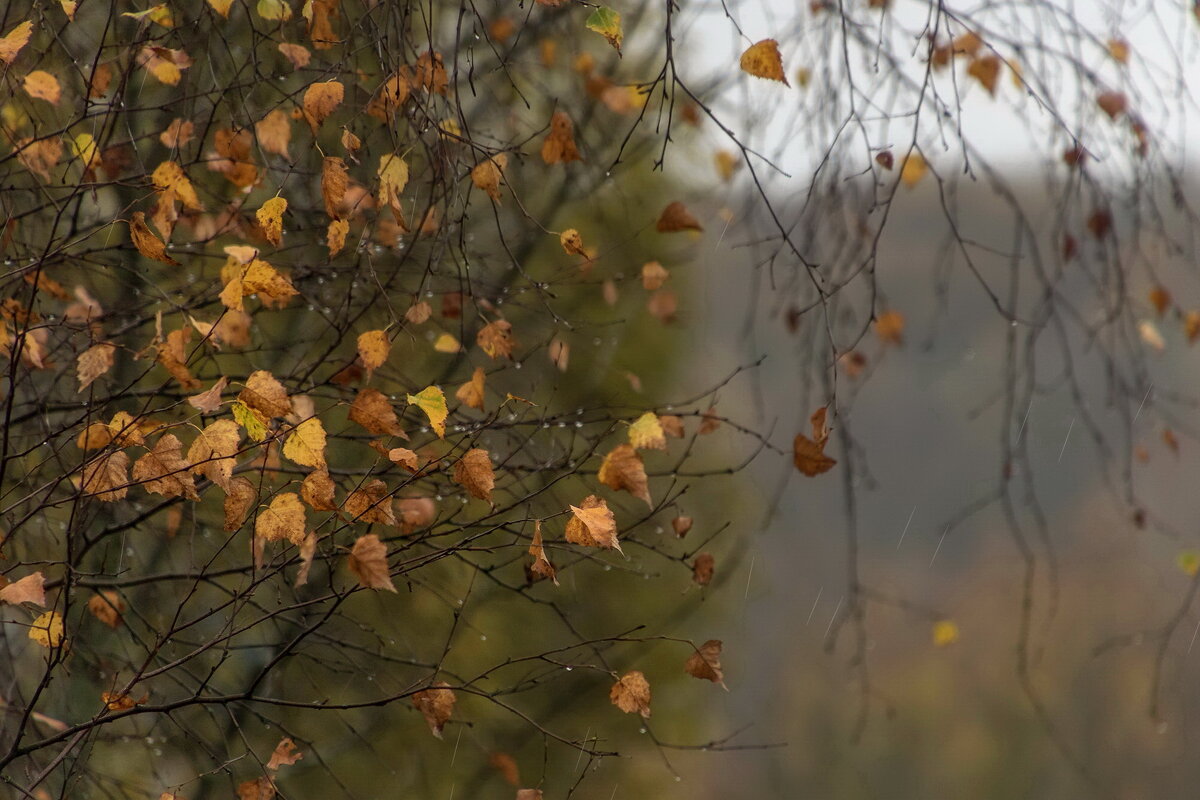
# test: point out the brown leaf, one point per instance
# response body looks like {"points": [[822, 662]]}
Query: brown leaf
{"points": [[12, 42], [809, 456], [986, 70], [368, 562], [107, 606], [705, 663], [702, 568], [258, 789], [29, 589], [541, 568], [240, 497], [474, 473], [317, 491], [334, 180], [559, 145], [404, 457], [107, 477], [416, 512], [97, 360], [496, 339], [593, 525], [470, 393], [506, 765], [265, 394], [1112, 103], [436, 704], [418, 312], [208, 401], [671, 425], [284, 755], [372, 410], [371, 503], [274, 132], [487, 175], [632, 694], [146, 242], [164, 471], [681, 525], [623, 468]]}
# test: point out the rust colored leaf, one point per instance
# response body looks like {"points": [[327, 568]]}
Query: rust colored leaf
{"points": [[474, 473], [368, 562], [631, 694]]}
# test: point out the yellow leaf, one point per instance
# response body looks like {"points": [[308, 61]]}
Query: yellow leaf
{"points": [[170, 177], [85, 149], [283, 519], [274, 10], [47, 629], [274, 132], [646, 433], [164, 64], [488, 174], [221, 7], [945, 632], [12, 42], [914, 170], [270, 219], [446, 343], [306, 444], [572, 242], [373, 347], [393, 177], [593, 525], [335, 236], [433, 403], [762, 60]]}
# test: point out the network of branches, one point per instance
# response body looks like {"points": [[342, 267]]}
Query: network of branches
{"points": [[336, 329]]}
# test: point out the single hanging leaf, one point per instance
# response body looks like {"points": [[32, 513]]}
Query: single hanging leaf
{"points": [[632, 694], [371, 504], [372, 410], [334, 181], [320, 100], [47, 630], [208, 401], [393, 177], [572, 243], [436, 705], [496, 339], [675, 217], [763, 60], [274, 10], [470, 394], [368, 562], [433, 403], [240, 498], [705, 663], [593, 525], [915, 168], [284, 755], [809, 454], [41, 85], [306, 444], [541, 568], [282, 519], [623, 469], [889, 327], [317, 491], [559, 145], [146, 242], [703, 568], [654, 275], [474, 473], [607, 23], [270, 219], [646, 433], [107, 606], [488, 174], [373, 347], [97, 360]]}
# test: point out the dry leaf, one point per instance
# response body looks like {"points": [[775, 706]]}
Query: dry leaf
{"points": [[94, 362], [913, 170], [368, 562], [496, 339], [889, 327], [107, 606], [623, 468], [41, 85], [274, 132], [763, 60], [107, 477], [317, 491], [487, 175], [372, 503], [705, 663], [270, 219], [12, 42], [675, 217], [405, 458], [470, 393], [284, 755], [436, 704], [164, 471], [372, 410], [146, 242], [474, 473], [654, 275], [213, 450], [305, 445], [240, 497], [265, 394], [373, 348], [702, 569], [646, 433], [632, 694], [320, 100], [681, 525], [29, 589], [209, 401], [282, 519], [559, 145], [593, 525], [541, 568]]}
